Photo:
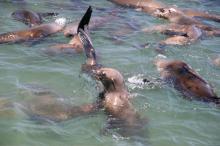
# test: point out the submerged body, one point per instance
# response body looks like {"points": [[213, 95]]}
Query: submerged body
{"points": [[186, 80]]}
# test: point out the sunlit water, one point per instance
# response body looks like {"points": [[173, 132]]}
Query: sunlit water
{"points": [[173, 121]]}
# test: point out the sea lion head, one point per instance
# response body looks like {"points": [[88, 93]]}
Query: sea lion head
{"points": [[111, 79], [186, 80], [165, 12], [28, 17], [173, 68], [61, 21]]}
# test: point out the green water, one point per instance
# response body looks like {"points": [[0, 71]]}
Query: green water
{"points": [[173, 121]]}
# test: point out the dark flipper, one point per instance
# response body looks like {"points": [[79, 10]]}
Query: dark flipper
{"points": [[85, 19], [88, 47], [216, 100], [85, 39]]}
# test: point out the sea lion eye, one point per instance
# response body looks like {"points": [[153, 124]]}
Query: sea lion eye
{"points": [[162, 10], [182, 71]]}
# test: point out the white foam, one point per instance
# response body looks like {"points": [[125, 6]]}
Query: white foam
{"points": [[161, 56], [172, 10], [61, 21]]}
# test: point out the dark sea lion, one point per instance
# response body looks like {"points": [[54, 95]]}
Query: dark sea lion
{"points": [[33, 33], [30, 18], [186, 80], [115, 99]]}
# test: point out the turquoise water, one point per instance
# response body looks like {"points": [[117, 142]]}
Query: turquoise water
{"points": [[172, 120]]}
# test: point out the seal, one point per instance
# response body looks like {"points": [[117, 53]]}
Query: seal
{"points": [[178, 34], [179, 17], [184, 79], [75, 45], [71, 29], [30, 18], [115, 99], [34, 33], [150, 6]]}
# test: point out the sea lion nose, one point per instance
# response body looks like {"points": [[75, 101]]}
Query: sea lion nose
{"points": [[161, 64]]}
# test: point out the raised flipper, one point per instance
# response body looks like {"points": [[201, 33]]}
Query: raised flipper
{"points": [[85, 19], [85, 39]]}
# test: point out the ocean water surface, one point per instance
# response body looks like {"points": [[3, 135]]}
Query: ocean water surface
{"points": [[172, 120]]}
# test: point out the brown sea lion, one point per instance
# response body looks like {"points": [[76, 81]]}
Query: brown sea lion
{"points": [[150, 6], [178, 34], [75, 45], [33, 33], [71, 28], [115, 99], [176, 16], [30, 18], [186, 80], [201, 14]]}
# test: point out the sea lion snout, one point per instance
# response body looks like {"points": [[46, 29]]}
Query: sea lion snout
{"points": [[165, 12], [161, 64], [110, 78]]}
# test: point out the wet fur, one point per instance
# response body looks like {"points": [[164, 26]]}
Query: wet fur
{"points": [[186, 80]]}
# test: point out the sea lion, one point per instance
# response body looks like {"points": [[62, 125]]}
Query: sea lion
{"points": [[178, 34], [179, 17], [33, 33], [51, 107], [115, 99], [150, 6], [30, 18], [184, 79], [71, 28], [75, 45], [200, 14]]}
